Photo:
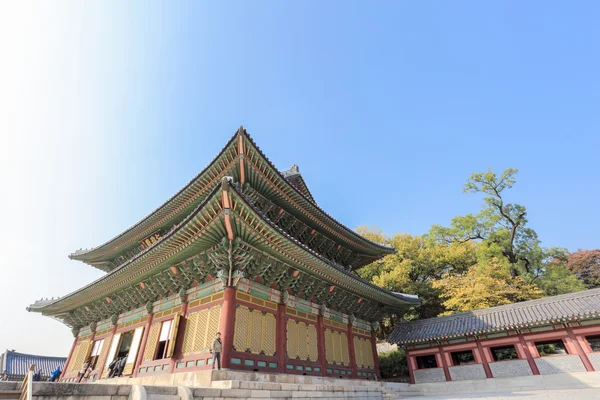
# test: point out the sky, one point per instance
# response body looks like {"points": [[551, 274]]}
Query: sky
{"points": [[107, 108]]}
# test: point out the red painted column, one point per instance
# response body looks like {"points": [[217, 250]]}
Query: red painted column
{"points": [[353, 351], [321, 344], [227, 325], [412, 366], [445, 364], [584, 358], [281, 338], [484, 360], [528, 355], [375, 356], [64, 372], [142, 349]]}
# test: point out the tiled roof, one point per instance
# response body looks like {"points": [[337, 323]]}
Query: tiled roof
{"points": [[566, 307], [17, 364]]}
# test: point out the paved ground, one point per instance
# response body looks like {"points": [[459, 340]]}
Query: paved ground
{"points": [[567, 394]]}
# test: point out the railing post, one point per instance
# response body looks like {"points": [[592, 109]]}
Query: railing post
{"points": [[27, 388]]}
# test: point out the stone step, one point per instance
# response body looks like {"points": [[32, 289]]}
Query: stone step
{"points": [[253, 385], [9, 394], [266, 390]]}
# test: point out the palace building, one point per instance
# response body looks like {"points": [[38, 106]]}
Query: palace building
{"points": [[553, 335], [243, 249]]}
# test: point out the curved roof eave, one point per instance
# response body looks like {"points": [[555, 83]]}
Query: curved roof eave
{"points": [[39, 306], [80, 254], [89, 254], [410, 299]]}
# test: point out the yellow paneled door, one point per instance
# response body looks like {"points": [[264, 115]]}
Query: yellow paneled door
{"points": [[80, 355], [173, 336], [364, 352], [254, 331], [133, 351], [336, 347], [301, 340]]}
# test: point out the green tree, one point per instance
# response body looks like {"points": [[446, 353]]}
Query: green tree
{"points": [[552, 275], [499, 222], [417, 264], [393, 365]]}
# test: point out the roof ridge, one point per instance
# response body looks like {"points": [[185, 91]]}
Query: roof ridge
{"points": [[327, 215], [30, 355]]}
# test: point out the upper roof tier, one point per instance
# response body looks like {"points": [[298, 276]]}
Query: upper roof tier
{"points": [[225, 229], [242, 160]]}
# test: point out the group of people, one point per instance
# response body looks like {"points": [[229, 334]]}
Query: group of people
{"points": [[116, 367], [84, 373], [54, 375]]}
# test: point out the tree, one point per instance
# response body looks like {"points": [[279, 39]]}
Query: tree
{"points": [[553, 277], [498, 222], [393, 365], [586, 265], [483, 286], [418, 263]]}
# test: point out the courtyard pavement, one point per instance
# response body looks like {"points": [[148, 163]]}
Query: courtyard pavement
{"points": [[566, 394]]}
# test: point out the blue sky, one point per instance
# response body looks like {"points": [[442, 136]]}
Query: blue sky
{"points": [[109, 108]]}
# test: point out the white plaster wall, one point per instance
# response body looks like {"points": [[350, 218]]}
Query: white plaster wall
{"points": [[510, 368], [559, 364], [467, 372], [514, 386], [429, 375]]}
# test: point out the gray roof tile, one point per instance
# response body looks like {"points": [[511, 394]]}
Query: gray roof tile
{"points": [[578, 305]]}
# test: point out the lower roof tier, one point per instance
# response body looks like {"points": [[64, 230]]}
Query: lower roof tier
{"points": [[518, 316], [225, 238]]}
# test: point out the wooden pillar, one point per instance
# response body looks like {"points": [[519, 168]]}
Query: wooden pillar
{"points": [[227, 325], [484, 360], [584, 358], [281, 337], [528, 355], [64, 372], [321, 344], [445, 365], [412, 366], [375, 356], [142, 349], [353, 352]]}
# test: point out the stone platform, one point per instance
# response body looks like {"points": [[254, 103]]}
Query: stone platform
{"points": [[235, 385]]}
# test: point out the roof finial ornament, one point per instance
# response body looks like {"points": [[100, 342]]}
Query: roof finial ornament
{"points": [[294, 168], [241, 131]]}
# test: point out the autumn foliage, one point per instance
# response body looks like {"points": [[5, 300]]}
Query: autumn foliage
{"points": [[480, 260]]}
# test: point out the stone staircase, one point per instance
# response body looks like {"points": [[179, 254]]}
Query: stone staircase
{"points": [[236, 389], [222, 385]]}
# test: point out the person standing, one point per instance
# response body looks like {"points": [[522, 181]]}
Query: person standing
{"points": [[82, 371], [87, 374], [215, 349]]}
